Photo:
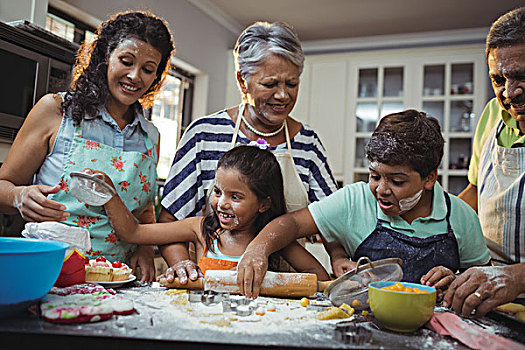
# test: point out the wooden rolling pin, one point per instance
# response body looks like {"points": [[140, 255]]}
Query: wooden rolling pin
{"points": [[275, 284]]}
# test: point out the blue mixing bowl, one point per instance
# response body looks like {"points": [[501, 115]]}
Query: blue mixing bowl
{"points": [[29, 269]]}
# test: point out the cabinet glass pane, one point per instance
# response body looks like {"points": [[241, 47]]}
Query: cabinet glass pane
{"points": [[461, 116], [435, 109], [391, 107], [360, 158], [434, 80], [459, 153], [360, 177], [368, 82], [366, 116], [456, 184], [393, 82], [461, 79]]}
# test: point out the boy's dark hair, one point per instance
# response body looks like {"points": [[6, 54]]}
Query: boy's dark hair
{"points": [[262, 174], [407, 138], [507, 30], [89, 89]]}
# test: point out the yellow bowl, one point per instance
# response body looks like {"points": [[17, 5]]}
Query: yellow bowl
{"points": [[401, 311]]}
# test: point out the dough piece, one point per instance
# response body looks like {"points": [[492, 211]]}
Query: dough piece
{"points": [[511, 308], [331, 313]]}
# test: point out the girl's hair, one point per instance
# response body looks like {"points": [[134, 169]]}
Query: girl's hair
{"points": [[89, 89], [262, 174], [407, 138], [263, 39]]}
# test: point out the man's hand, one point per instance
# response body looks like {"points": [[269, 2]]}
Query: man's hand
{"points": [[484, 288]]}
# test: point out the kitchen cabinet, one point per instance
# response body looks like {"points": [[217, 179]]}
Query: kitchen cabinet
{"points": [[344, 95]]}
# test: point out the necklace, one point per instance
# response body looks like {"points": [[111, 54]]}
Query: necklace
{"points": [[263, 134]]}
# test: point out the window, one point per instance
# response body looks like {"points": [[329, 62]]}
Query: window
{"points": [[68, 27], [60, 27], [171, 114]]}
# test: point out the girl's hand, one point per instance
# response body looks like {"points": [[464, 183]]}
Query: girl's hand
{"points": [[342, 265], [183, 269], [440, 278], [144, 258], [105, 176], [34, 206]]}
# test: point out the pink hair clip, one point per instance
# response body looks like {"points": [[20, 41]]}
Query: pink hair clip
{"points": [[260, 143]]}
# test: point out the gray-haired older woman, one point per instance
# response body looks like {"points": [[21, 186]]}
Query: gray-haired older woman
{"points": [[268, 62]]}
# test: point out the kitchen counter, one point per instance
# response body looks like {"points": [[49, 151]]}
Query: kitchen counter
{"points": [[159, 323]]}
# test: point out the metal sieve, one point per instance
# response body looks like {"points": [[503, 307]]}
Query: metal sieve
{"points": [[352, 287], [90, 189]]}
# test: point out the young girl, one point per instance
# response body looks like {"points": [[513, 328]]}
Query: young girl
{"points": [[248, 193], [402, 212], [99, 122]]}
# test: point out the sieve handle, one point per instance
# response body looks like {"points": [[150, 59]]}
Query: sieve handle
{"points": [[360, 263]]}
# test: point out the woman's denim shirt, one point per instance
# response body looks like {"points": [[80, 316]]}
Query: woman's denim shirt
{"points": [[101, 128]]}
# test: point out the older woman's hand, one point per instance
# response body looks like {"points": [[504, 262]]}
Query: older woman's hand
{"points": [[144, 257], [484, 288], [183, 269]]}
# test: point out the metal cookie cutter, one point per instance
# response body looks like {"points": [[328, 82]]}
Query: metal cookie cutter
{"points": [[207, 297], [241, 306], [350, 332]]}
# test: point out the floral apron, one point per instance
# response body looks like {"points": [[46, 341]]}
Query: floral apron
{"points": [[134, 175]]}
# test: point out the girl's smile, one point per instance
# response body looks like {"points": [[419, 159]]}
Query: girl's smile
{"points": [[235, 204]]}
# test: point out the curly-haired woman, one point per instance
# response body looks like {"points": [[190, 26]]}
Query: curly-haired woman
{"points": [[98, 123]]}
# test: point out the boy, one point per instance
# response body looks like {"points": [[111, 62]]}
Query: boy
{"points": [[402, 212]]}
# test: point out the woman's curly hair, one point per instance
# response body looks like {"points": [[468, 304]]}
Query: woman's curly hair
{"points": [[89, 89]]}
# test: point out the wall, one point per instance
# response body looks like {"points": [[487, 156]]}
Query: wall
{"points": [[200, 41]]}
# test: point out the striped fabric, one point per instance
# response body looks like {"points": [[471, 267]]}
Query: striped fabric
{"points": [[207, 138], [501, 198]]}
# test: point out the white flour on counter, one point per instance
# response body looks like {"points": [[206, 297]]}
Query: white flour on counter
{"points": [[165, 307]]}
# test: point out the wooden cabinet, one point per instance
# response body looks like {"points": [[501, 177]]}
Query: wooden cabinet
{"points": [[343, 96]]}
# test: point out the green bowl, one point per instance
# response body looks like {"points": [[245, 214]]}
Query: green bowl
{"points": [[401, 311]]}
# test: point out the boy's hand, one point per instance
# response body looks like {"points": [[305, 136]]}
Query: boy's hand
{"points": [[440, 278], [341, 266]]}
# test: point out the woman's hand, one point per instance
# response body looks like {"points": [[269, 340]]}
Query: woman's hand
{"points": [[183, 269], [341, 266], [34, 206], [440, 278], [144, 257], [483, 288]]}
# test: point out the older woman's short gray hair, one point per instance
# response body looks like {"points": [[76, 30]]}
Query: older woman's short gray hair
{"points": [[262, 39]]}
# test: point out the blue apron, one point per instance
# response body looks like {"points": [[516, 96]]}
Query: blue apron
{"points": [[419, 255]]}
